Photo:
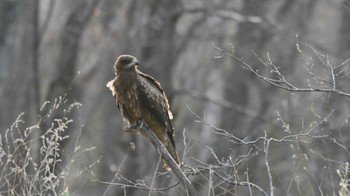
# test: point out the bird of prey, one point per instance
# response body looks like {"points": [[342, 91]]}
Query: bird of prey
{"points": [[140, 97]]}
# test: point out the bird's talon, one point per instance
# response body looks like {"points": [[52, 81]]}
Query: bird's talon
{"points": [[141, 124], [127, 128], [130, 127], [136, 126]]}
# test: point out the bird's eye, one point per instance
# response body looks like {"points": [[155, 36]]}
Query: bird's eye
{"points": [[125, 61]]}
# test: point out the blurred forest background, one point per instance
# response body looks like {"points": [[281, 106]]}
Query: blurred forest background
{"points": [[65, 50]]}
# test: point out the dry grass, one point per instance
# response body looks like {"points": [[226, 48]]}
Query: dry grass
{"points": [[31, 159]]}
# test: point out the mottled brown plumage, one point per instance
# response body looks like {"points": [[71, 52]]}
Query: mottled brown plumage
{"points": [[140, 97]]}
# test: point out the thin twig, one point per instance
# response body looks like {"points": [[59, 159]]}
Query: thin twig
{"points": [[281, 82], [266, 150]]}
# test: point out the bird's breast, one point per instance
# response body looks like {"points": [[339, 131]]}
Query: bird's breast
{"points": [[128, 100]]}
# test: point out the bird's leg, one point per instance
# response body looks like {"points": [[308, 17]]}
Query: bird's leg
{"points": [[140, 124], [134, 127]]}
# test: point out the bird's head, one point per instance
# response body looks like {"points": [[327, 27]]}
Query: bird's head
{"points": [[125, 62]]}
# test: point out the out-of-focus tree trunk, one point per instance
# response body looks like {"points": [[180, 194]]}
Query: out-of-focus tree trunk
{"points": [[17, 61], [70, 37], [242, 90], [262, 38], [344, 38], [160, 47], [239, 90], [19, 85], [65, 72]]}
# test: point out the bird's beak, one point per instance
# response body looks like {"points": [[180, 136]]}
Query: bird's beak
{"points": [[136, 63]]}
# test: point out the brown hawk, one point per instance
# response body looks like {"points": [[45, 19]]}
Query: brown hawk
{"points": [[140, 97]]}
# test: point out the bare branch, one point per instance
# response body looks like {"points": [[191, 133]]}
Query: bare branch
{"points": [[282, 83], [288, 138], [224, 13], [128, 184], [266, 150], [191, 190]]}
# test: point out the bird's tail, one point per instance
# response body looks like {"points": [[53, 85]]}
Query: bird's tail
{"points": [[172, 151]]}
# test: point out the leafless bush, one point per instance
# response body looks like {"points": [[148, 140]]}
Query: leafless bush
{"points": [[29, 160], [344, 180]]}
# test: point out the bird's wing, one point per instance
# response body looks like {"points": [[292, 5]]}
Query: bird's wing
{"points": [[112, 88], [153, 98]]}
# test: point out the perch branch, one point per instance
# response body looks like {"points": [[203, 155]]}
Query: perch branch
{"points": [[191, 190]]}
